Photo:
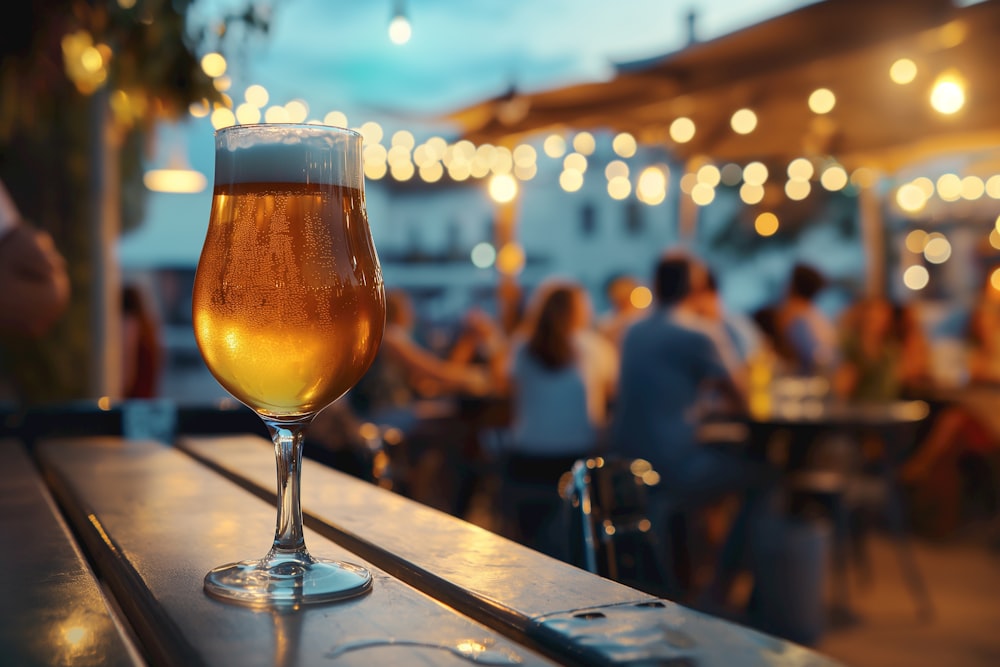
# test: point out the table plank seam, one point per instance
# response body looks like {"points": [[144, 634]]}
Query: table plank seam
{"points": [[529, 630], [161, 641]]}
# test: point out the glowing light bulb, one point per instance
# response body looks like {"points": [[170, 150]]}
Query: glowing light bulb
{"points": [[948, 94], [400, 30]]}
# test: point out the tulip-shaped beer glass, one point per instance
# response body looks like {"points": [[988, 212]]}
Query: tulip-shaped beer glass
{"points": [[289, 310]]}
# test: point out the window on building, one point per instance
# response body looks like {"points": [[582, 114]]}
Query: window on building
{"points": [[588, 220], [634, 223]]}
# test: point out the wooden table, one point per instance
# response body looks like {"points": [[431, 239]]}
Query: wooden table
{"points": [[148, 520], [53, 611]]}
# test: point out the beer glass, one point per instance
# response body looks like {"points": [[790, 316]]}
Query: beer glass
{"points": [[289, 310]]}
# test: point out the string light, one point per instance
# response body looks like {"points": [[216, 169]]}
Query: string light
{"points": [[822, 101], [743, 121], [766, 224], [948, 94], [463, 159], [682, 130], [903, 71], [400, 29]]}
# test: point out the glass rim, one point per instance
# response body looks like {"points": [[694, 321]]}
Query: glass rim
{"points": [[321, 127]]}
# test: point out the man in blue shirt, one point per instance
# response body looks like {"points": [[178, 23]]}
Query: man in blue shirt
{"points": [[667, 365]]}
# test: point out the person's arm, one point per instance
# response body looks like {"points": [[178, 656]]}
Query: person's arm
{"points": [[716, 373], [481, 335], [34, 285], [421, 364]]}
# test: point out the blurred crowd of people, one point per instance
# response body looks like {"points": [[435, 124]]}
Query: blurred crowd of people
{"points": [[639, 382]]}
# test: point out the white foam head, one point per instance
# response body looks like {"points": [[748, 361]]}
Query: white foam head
{"points": [[288, 153]]}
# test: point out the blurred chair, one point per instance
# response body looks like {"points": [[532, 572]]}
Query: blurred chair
{"points": [[614, 528], [854, 494]]}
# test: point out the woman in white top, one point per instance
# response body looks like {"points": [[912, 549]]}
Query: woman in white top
{"points": [[561, 377]]}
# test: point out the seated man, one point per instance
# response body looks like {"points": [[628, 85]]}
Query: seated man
{"points": [[667, 364]]}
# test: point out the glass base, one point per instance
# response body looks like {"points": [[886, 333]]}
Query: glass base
{"points": [[288, 580]]}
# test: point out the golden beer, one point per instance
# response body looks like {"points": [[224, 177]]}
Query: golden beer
{"points": [[289, 310], [289, 306]]}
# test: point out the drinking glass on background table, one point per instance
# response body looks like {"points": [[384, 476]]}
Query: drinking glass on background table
{"points": [[289, 310]]}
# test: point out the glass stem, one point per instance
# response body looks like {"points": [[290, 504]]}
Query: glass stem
{"points": [[287, 437]]}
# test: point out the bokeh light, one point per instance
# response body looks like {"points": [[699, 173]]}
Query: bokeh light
{"points": [[524, 155], [570, 180], [503, 188], [335, 118], [402, 171], [702, 194], [766, 224], [525, 172], [903, 71], [213, 64], [619, 187], [584, 143], [624, 145], [797, 190], [948, 94], [554, 146], [916, 241], [911, 198], [256, 95], [682, 130], [403, 138], [800, 169], [834, 178], [949, 187], [400, 30], [972, 188], [926, 186], [276, 114], [993, 186], [576, 162], [247, 114], [937, 250], [709, 174], [616, 168], [222, 117], [755, 173], [641, 297], [371, 132], [433, 172], [297, 110], [510, 260], [916, 277], [822, 101], [483, 255], [652, 186], [743, 121], [751, 194]]}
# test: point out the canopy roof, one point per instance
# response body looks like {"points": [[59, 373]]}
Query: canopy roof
{"points": [[846, 46]]}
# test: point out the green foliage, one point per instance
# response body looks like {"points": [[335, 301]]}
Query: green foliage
{"points": [[53, 129]]}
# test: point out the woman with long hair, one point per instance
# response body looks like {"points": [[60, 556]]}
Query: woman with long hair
{"points": [[561, 377]]}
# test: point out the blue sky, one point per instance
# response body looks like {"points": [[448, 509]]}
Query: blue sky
{"points": [[336, 55]]}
